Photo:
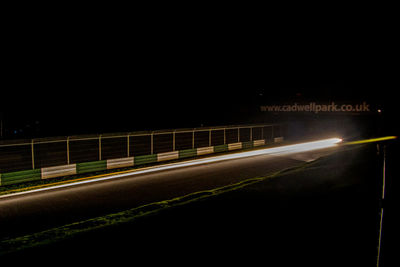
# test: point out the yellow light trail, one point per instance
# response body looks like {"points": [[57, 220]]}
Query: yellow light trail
{"points": [[385, 138]]}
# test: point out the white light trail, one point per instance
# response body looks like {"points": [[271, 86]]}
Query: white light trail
{"points": [[281, 150]]}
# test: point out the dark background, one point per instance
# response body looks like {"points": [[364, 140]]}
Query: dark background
{"points": [[127, 69], [94, 73]]}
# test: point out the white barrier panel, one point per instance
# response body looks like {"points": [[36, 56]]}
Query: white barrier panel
{"points": [[205, 150], [57, 171], [167, 155], [278, 139], [234, 146], [258, 142], [119, 163]]}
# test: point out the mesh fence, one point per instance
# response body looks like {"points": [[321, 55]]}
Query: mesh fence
{"points": [[40, 153]]}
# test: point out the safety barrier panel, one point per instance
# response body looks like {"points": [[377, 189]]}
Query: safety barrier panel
{"points": [[93, 166], [63, 170], [120, 163], [234, 146], [258, 142], [187, 153], [221, 148], [140, 160], [205, 150], [20, 177], [57, 157], [168, 156], [246, 145]]}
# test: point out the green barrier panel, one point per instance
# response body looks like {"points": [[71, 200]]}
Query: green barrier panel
{"points": [[248, 144], [93, 166], [139, 160], [187, 153], [20, 176], [221, 148]]}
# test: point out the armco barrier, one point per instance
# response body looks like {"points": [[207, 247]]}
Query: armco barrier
{"points": [[140, 160], [64, 170], [220, 148], [20, 177], [235, 146], [258, 142], [93, 166], [187, 153], [168, 156], [246, 145], [88, 154], [120, 163], [205, 150]]}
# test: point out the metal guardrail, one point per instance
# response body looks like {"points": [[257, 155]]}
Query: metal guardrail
{"points": [[18, 155]]}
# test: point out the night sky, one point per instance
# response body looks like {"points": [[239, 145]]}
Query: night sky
{"points": [[67, 80]]}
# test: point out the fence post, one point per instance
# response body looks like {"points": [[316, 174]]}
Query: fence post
{"points": [[225, 136], [100, 147], [33, 155], [238, 135], [68, 150], [193, 139], [151, 143], [127, 146], [251, 133], [173, 140], [209, 137]]}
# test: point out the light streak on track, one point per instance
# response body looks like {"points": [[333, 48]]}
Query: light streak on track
{"points": [[371, 140], [281, 150]]}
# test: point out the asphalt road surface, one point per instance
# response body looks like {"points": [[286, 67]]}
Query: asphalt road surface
{"points": [[34, 211], [323, 215]]}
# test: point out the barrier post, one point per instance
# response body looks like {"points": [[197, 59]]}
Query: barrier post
{"points": [[33, 155], [68, 150], [127, 146], [151, 143], [100, 147], [225, 136], [173, 140], [193, 139], [209, 137]]}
